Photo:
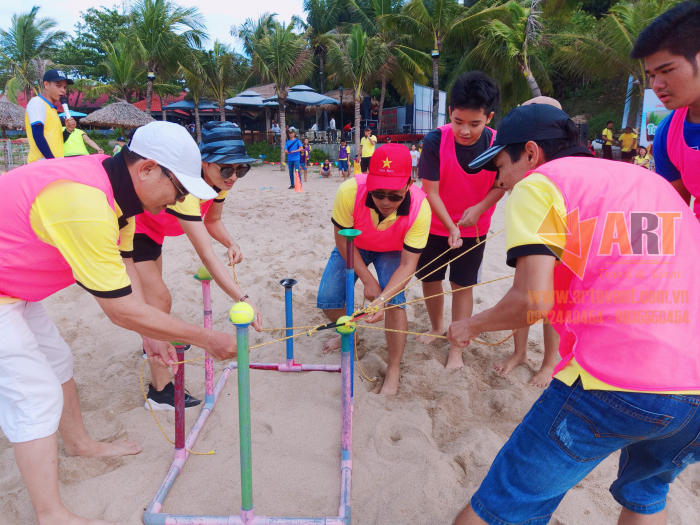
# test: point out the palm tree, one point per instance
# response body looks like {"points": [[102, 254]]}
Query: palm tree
{"points": [[222, 69], [193, 72], [323, 17], [356, 58], [25, 48], [279, 55], [120, 67], [444, 22], [162, 31]]}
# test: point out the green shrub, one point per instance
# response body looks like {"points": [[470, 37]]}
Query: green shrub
{"points": [[271, 151], [317, 155]]}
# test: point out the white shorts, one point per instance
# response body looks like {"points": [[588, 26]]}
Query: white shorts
{"points": [[34, 362]]}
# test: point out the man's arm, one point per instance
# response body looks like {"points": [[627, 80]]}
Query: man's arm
{"points": [[472, 214], [432, 191], [371, 285], [398, 281], [92, 144], [530, 298], [37, 131]]}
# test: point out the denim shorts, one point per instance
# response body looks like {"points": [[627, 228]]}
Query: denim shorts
{"points": [[343, 165], [331, 291], [569, 431]]}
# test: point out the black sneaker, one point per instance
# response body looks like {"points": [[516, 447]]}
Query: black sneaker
{"points": [[165, 399], [291, 187]]}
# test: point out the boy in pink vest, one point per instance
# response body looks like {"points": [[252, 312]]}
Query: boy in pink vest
{"points": [[71, 221], [609, 256], [394, 218], [462, 200], [670, 47]]}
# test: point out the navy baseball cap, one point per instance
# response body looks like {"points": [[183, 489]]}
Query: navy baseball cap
{"points": [[522, 124], [56, 75]]}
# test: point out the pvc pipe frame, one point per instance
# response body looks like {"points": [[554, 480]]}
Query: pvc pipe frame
{"points": [[153, 514]]}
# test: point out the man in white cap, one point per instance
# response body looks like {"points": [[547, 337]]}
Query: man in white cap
{"points": [[66, 221]]}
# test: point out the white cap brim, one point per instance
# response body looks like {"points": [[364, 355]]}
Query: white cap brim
{"points": [[196, 187]]}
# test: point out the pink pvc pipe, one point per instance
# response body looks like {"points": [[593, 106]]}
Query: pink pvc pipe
{"points": [[208, 361]]}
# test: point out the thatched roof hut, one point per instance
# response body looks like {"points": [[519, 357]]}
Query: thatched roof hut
{"points": [[264, 90], [11, 115], [118, 115], [348, 101]]}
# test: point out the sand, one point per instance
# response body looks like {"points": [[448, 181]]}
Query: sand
{"points": [[417, 457]]}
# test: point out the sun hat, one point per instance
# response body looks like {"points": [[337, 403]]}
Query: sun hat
{"points": [[171, 146], [222, 143], [522, 124], [56, 75], [389, 168]]}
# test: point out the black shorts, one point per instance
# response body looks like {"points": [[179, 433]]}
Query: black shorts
{"points": [[463, 271], [627, 156], [607, 152], [364, 164], [145, 248]]}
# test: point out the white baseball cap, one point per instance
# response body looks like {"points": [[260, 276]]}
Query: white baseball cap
{"points": [[171, 146]]}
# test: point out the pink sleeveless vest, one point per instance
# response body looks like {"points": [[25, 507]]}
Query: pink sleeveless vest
{"points": [[459, 190], [29, 268], [157, 227], [683, 157], [629, 320], [392, 238]]}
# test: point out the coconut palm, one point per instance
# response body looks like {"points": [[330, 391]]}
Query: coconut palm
{"points": [[193, 73], [356, 58], [279, 55], [119, 66], [438, 23], [25, 48], [223, 72], [162, 32], [322, 20]]}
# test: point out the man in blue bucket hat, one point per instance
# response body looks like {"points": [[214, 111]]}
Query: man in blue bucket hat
{"points": [[224, 161]]}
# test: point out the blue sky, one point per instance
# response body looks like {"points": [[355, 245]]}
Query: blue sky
{"points": [[219, 15]]}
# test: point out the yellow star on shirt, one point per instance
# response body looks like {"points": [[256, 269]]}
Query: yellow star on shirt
{"points": [[386, 163]]}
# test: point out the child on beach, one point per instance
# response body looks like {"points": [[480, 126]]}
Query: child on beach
{"points": [[356, 166], [462, 201], [326, 169], [304, 158], [642, 157], [415, 155], [343, 158]]}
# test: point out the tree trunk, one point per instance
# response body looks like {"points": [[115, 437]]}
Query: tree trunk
{"points": [[197, 123], [149, 96], [358, 131], [222, 110], [531, 81], [283, 129], [436, 91], [381, 104], [162, 108]]}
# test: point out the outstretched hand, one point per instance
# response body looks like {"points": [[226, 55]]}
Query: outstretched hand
{"points": [[162, 352], [461, 332]]}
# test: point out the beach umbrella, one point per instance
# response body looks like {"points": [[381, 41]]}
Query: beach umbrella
{"points": [[73, 113], [11, 115], [304, 96], [188, 105], [250, 98], [118, 115]]}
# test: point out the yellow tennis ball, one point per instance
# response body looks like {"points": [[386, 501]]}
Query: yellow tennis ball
{"points": [[346, 325], [241, 313], [202, 274]]}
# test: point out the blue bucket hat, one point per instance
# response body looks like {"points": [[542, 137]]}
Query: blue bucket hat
{"points": [[222, 143]]}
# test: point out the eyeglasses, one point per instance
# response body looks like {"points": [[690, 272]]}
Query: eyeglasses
{"points": [[239, 170], [181, 191], [380, 196]]}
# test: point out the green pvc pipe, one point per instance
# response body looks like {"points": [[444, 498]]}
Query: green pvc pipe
{"points": [[244, 417]]}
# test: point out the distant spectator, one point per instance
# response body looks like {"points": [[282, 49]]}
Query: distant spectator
{"points": [[76, 143], [275, 128], [590, 147], [607, 135], [628, 144], [415, 155], [304, 159], [326, 169], [292, 149], [121, 142], [343, 158], [331, 123], [642, 158], [367, 144], [314, 127]]}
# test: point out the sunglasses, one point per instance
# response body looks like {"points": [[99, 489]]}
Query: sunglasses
{"points": [[239, 170], [181, 191], [380, 196]]}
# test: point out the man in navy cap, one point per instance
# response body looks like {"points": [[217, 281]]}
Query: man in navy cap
{"points": [[44, 129], [590, 249]]}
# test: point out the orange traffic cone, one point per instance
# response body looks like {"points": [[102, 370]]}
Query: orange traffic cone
{"points": [[297, 182]]}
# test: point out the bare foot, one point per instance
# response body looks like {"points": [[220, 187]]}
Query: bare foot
{"points": [[391, 382], [332, 344], [100, 449], [454, 359], [542, 378], [65, 517], [503, 367], [427, 339]]}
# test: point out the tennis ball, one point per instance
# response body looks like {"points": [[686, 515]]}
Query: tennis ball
{"points": [[346, 325], [202, 274], [241, 313]]}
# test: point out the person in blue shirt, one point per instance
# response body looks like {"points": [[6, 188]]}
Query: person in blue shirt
{"points": [[292, 149], [670, 48]]}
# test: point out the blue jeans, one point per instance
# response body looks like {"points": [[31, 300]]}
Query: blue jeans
{"points": [[293, 165], [331, 291], [569, 431]]}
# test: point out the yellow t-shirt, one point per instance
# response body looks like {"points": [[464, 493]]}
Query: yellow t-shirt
{"points": [[608, 136], [356, 167], [75, 145], [642, 161], [87, 235], [368, 146], [416, 236], [536, 205], [190, 208], [628, 141], [40, 110]]}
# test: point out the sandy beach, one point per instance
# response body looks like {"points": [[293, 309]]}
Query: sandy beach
{"points": [[417, 457]]}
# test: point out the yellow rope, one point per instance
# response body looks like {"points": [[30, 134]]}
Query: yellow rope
{"points": [[153, 412], [476, 340], [289, 328]]}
